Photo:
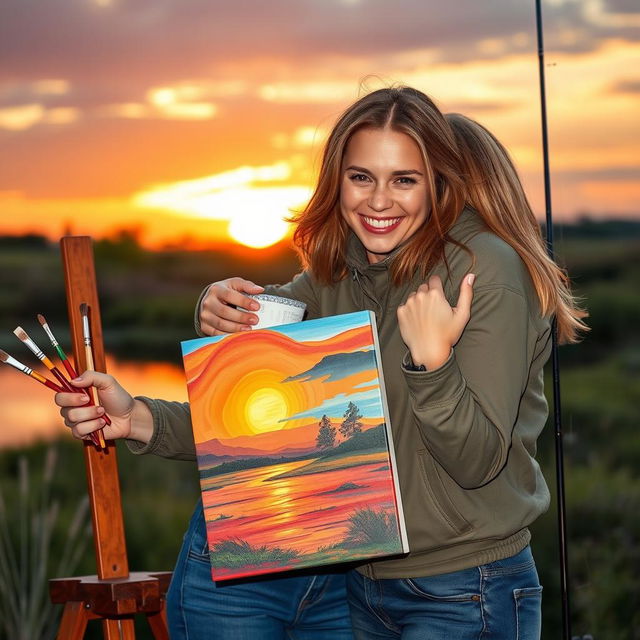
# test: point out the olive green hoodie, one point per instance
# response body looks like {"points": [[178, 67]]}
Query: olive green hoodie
{"points": [[465, 433]]}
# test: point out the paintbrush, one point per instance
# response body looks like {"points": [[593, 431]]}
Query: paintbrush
{"points": [[64, 383], [5, 357], [67, 365], [88, 352], [54, 343]]}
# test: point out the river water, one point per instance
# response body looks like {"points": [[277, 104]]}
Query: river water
{"points": [[28, 413]]}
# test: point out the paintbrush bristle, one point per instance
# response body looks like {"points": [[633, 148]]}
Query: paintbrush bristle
{"points": [[21, 333], [4, 356], [41, 319], [84, 308]]}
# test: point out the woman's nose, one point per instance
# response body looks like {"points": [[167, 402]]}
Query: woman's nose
{"points": [[380, 199]]}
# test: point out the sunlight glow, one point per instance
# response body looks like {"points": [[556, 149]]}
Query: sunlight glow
{"points": [[21, 118], [28, 115], [255, 211], [162, 97], [180, 102]]}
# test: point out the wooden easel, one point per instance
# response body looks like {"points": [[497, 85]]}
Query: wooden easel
{"points": [[114, 595]]}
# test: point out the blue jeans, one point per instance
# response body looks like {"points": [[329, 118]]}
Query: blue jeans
{"points": [[496, 601], [303, 607]]}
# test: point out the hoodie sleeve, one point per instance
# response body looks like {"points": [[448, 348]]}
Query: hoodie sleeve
{"points": [[466, 409], [172, 433]]}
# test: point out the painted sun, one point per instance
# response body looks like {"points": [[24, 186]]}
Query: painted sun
{"points": [[265, 408]]}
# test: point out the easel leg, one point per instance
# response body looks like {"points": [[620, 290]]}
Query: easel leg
{"points": [[158, 624], [118, 629], [74, 621]]}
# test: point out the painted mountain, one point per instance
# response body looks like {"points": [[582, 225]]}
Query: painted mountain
{"points": [[294, 446]]}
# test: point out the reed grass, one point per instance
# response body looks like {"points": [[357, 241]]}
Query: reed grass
{"points": [[28, 526]]}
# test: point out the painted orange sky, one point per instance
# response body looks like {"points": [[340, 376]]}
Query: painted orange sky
{"points": [[204, 120], [246, 364]]}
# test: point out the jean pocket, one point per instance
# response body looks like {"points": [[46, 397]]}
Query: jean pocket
{"points": [[430, 590], [528, 602], [197, 535]]}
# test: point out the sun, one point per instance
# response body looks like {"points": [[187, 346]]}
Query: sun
{"points": [[257, 230], [264, 409]]}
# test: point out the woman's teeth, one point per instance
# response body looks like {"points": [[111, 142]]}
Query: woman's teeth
{"points": [[381, 223]]}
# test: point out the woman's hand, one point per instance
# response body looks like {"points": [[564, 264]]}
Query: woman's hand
{"points": [[429, 326], [218, 313], [83, 418]]}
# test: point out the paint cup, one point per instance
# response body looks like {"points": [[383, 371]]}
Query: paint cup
{"points": [[275, 310]]}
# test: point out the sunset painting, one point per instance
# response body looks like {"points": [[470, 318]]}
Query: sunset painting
{"points": [[294, 446]]}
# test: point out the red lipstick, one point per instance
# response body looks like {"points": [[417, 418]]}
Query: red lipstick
{"points": [[380, 229]]}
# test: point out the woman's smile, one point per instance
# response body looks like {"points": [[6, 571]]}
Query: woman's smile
{"points": [[379, 225]]}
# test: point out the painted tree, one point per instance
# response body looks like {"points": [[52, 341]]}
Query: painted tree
{"points": [[326, 437], [351, 423]]}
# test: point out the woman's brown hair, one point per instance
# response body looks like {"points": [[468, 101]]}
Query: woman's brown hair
{"points": [[494, 190], [321, 232]]}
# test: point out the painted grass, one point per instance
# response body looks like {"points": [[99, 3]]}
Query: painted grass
{"points": [[236, 553], [368, 526]]}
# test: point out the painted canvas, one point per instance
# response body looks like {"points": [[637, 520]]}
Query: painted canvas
{"points": [[294, 446]]}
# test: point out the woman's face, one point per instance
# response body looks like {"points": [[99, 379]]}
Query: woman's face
{"points": [[383, 194]]}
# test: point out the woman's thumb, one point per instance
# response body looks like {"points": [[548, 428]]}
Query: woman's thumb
{"points": [[466, 294], [85, 379]]}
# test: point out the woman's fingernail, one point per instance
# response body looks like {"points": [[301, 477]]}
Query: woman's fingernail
{"points": [[471, 277], [100, 411], [255, 306]]}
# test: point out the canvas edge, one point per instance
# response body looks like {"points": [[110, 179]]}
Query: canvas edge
{"points": [[392, 452]]}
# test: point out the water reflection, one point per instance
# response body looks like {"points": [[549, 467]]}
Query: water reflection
{"points": [[27, 411]]}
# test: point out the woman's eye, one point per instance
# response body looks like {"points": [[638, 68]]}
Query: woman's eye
{"points": [[405, 180], [359, 177]]}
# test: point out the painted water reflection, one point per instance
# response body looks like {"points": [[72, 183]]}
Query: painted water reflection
{"points": [[307, 514]]}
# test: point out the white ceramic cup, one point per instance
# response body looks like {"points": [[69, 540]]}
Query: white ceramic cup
{"points": [[275, 310]]}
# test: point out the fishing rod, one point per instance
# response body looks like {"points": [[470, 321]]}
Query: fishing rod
{"points": [[557, 417]]}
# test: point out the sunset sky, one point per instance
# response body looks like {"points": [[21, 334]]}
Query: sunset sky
{"points": [[203, 119]]}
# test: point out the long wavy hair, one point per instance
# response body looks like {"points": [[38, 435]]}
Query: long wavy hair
{"points": [[321, 232], [494, 190]]}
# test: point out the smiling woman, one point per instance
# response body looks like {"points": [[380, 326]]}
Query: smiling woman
{"points": [[383, 196]]}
